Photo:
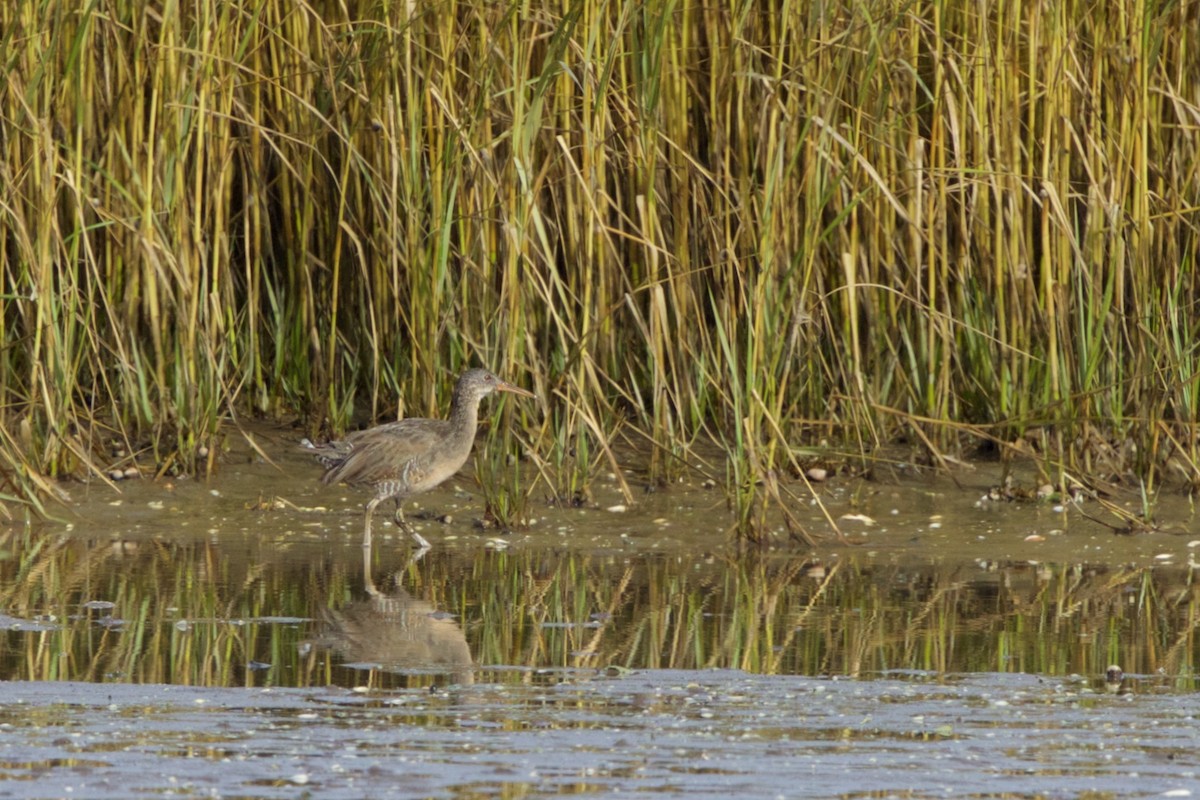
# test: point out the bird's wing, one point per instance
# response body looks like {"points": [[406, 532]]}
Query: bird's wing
{"points": [[395, 451]]}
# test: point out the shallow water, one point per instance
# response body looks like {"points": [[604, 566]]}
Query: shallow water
{"points": [[229, 639], [656, 733]]}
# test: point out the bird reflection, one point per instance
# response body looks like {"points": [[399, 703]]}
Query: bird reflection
{"points": [[397, 632]]}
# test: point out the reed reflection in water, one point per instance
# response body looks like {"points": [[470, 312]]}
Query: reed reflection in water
{"points": [[249, 612]]}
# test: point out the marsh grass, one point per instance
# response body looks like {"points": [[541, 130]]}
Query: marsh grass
{"points": [[854, 223]]}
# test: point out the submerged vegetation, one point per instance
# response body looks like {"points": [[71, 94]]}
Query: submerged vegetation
{"points": [[768, 225]]}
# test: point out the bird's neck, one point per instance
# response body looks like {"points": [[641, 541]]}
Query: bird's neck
{"points": [[464, 417]]}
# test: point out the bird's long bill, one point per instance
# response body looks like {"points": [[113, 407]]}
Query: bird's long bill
{"points": [[505, 386]]}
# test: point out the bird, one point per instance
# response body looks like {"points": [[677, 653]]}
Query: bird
{"points": [[1114, 676], [410, 456]]}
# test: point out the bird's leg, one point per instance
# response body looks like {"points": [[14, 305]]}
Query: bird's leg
{"points": [[421, 541], [367, 523]]}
